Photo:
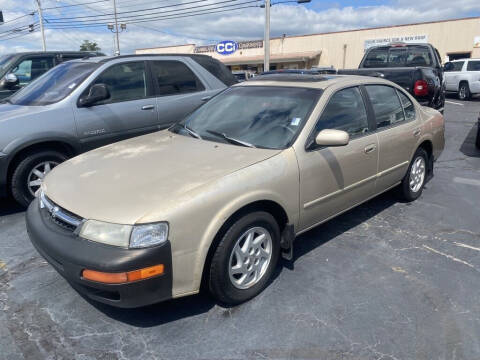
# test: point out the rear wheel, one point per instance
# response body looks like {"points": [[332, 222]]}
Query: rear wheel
{"points": [[245, 258], [464, 91], [412, 184], [28, 175]]}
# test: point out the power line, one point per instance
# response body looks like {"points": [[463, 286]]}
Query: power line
{"points": [[156, 19], [76, 4], [147, 17], [155, 8], [30, 14]]}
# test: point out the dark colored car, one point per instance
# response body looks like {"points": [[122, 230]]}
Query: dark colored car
{"points": [[415, 67], [19, 69]]}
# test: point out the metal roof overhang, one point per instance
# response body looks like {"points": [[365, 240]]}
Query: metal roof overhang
{"points": [[281, 58]]}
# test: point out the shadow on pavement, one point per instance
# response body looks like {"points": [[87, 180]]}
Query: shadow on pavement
{"points": [[176, 309], [468, 147], [9, 206], [337, 226]]}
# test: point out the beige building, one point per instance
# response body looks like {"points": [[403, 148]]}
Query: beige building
{"points": [[454, 39]]}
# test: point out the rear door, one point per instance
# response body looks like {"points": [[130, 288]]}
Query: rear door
{"points": [[333, 179], [452, 77], [130, 110], [397, 130], [178, 89]]}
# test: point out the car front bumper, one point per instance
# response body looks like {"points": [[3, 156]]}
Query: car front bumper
{"points": [[70, 255]]}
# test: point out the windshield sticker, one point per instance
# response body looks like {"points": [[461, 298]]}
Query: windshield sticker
{"points": [[295, 121]]}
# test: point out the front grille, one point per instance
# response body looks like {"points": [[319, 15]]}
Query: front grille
{"points": [[60, 216]]}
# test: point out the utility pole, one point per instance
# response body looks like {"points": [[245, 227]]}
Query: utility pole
{"points": [[40, 16], [116, 27], [266, 37]]}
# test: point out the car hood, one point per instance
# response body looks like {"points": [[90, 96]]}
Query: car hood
{"points": [[123, 182], [8, 111]]}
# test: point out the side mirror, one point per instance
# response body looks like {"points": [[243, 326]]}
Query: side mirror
{"points": [[10, 81], [448, 66], [98, 92], [332, 137]]}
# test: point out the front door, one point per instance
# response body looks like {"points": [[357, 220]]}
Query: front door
{"points": [[130, 111], [28, 69], [333, 179]]}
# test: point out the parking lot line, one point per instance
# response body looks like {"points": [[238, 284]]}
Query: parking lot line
{"points": [[467, 181], [454, 103]]}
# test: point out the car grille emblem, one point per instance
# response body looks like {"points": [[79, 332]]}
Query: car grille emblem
{"points": [[55, 211]]}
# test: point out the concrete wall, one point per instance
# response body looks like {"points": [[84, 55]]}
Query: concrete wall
{"points": [[345, 49]]}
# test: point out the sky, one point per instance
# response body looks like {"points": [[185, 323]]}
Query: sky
{"points": [[174, 22]]}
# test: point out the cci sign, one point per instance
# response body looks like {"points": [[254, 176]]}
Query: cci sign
{"points": [[226, 47]]}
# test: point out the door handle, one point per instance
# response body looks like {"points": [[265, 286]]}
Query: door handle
{"points": [[370, 148], [417, 132], [148, 107], [206, 98]]}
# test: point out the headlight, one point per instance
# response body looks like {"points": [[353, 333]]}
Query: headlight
{"points": [[137, 236]]}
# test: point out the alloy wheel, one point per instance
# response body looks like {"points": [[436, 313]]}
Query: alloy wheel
{"points": [[417, 174], [37, 174], [250, 257]]}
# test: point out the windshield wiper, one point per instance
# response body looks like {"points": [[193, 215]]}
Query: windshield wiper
{"points": [[230, 139], [191, 132]]}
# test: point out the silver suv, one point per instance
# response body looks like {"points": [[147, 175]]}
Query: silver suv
{"points": [[83, 104]]}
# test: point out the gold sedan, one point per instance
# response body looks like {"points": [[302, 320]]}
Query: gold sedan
{"points": [[220, 196]]}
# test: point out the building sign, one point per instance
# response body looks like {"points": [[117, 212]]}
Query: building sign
{"points": [[408, 39], [255, 44], [226, 47]]}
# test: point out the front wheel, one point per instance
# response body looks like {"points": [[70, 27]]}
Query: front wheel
{"points": [[245, 258], [412, 184], [29, 174]]}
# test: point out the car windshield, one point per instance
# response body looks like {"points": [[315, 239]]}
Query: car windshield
{"points": [[54, 85], [254, 116]]}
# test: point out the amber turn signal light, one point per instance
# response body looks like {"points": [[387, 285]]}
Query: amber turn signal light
{"points": [[123, 277]]}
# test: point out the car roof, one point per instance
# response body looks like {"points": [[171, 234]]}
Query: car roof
{"points": [[312, 81], [104, 59]]}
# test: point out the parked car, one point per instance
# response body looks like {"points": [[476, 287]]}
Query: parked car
{"points": [[83, 104], [222, 194], [463, 77], [415, 67], [243, 75], [19, 69]]}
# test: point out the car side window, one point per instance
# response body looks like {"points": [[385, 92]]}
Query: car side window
{"points": [[473, 66], [457, 66], [31, 68], [407, 105], [386, 105], [345, 111], [174, 78], [125, 82]]}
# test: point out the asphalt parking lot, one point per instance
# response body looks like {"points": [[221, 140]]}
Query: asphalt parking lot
{"points": [[387, 280]]}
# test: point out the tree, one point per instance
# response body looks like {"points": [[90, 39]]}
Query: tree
{"points": [[89, 46]]}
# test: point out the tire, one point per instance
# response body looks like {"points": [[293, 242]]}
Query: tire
{"points": [[229, 289], [464, 91], [477, 140], [411, 192], [23, 174]]}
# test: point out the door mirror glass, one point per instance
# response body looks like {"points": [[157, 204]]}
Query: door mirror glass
{"points": [[98, 92], [332, 137], [10, 81], [448, 66]]}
